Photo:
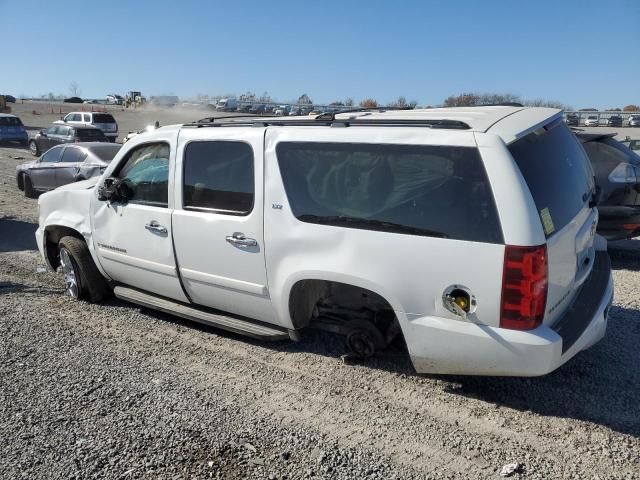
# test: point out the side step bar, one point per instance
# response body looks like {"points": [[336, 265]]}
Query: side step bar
{"points": [[243, 326]]}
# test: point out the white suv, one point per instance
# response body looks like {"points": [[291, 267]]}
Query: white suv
{"points": [[103, 121], [468, 232]]}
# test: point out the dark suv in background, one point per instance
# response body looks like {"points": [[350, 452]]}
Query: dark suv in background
{"points": [[57, 134], [617, 172], [615, 121]]}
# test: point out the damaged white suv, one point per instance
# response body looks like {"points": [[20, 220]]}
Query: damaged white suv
{"points": [[468, 232]]}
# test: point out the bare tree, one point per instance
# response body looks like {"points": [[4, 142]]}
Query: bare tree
{"points": [[348, 102], [74, 89], [265, 98], [401, 102], [631, 108], [304, 100], [368, 103]]}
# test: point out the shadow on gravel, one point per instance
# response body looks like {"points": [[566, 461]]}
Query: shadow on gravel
{"points": [[625, 255], [10, 287], [600, 385], [16, 235]]}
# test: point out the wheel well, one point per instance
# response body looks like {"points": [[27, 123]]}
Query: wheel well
{"points": [[313, 299], [54, 234]]}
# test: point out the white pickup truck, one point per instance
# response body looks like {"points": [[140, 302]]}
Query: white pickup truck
{"points": [[469, 233]]}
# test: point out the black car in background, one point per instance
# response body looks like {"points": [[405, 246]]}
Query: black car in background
{"points": [[73, 100], [615, 121], [617, 172], [573, 120], [57, 134], [64, 164]]}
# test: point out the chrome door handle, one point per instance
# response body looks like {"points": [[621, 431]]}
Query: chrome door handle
{"points": [[154, 226], [241, 241]]}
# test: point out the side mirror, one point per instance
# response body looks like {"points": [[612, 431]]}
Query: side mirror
{"points": [[114, 190]]}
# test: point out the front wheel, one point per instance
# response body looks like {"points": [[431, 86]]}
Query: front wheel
{"points": [[29, 191], [33, 146], [82, 278]]}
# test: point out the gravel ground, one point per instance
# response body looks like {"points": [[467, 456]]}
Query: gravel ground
{"points": [[116, 391]]}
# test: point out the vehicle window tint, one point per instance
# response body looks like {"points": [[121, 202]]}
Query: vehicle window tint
{"points": [[64, 131], [103, 118], [73, 154], [219, 176], [51, 130], [105, 152], [424, 190], [77, 117], [89, 134], [51, 156], [146, 173], [10, 122], [87, 118], [557, 172]]}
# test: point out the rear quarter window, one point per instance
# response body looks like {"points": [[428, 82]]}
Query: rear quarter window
{"points": [[440, 191], [557, 171]]}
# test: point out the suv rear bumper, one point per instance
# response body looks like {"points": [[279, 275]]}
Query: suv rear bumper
{"points": [[438, 345]]}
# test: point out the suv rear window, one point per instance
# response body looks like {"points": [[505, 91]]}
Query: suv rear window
{"points": [[10, 122], [439, 191], [91, 133], [557, 172], [103, 118]]}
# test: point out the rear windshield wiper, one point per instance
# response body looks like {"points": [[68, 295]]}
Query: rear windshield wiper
{"points": [[370, 223]]}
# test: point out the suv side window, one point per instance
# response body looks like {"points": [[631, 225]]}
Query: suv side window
{"points": [[146, 174], [51, 130], [437, 191], [63, 131], [87, 118], [52, 156], [218, 176]]}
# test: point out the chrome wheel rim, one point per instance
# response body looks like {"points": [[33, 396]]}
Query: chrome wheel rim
{"points": [[69, 273], [33, 147]]}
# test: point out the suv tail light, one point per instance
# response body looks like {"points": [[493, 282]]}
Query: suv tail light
{"points": [[524, 287]]}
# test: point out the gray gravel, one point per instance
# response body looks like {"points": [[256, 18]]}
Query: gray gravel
{"points": [[115, 391]]}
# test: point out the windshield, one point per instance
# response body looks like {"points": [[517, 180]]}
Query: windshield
{"points": [[437, 191], [558, 174]]}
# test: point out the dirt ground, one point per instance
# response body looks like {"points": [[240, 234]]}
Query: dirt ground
{"points": [[118, 391]]}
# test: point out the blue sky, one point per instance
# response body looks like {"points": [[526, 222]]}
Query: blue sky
{"points": [[582, 53]]}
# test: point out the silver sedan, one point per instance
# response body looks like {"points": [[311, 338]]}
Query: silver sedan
{"points": [[64, 164]]}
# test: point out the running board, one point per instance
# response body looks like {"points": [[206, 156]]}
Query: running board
{"points": [[241, 325]]}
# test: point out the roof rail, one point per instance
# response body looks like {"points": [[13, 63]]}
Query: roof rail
{"points": [[328, 120]]}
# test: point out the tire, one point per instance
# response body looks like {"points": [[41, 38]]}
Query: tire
{"points": [[33, 146], [82, 278], [29, 191]]}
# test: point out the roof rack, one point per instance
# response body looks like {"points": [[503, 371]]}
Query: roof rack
{"points": [[328, 120]]}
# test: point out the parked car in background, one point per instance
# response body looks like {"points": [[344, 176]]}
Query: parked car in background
{"points": [[572, 120], [57, 134], [12, 129], [227, 105], [281, 110], [73, 100], [9, 98], [64, 164], [257, 109], [633, 144], [114, 99], [634, 120], [617, 173], [295, 110], [478, 223], [244, 108], [591, 121], [615, 121], [103, 121]]}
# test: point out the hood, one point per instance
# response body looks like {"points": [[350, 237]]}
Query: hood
{"points": [[82, 185]]}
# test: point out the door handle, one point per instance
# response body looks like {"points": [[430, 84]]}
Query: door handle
{"points": [[154, 226], [241, 241]]}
